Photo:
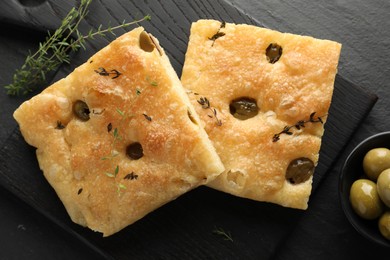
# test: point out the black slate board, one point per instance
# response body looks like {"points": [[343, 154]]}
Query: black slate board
{"points": [[184, 227]]}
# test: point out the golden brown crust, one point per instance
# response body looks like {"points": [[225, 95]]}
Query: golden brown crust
{"points": [[235, 65], [145, 103]]}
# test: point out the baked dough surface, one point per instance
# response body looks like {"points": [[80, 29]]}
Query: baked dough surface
{"points": [[133, 96], [301, 82]]}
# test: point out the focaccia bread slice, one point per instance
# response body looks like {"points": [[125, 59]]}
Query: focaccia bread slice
{"points": [[263, 96], [118, 137]]}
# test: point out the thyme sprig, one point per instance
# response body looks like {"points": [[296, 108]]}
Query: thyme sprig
{"points": [[103, 72], [57, 48], [298, 125], [205, 103], [225, 234]]}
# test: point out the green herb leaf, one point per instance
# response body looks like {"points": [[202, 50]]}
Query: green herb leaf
{"points": [[151, 82], [109, 174], [116, 171], [116, 134], [120, 112], [120, 187]]}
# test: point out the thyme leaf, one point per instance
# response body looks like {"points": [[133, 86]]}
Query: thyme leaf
{"points": [[218, 34], [154, 83], [151, 82], [204, 102], [109, 127], [59, 125], [120, 187], [147, 117], [131, 176], [116, 171], [113, 174], [109, 174], [57, 49], [120, 112]]}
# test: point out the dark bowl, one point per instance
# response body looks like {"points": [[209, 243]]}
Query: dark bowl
{"points": [[353, 170]]}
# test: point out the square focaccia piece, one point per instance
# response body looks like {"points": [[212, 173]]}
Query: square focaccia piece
{"points": [[118, 137], [263, 97]]}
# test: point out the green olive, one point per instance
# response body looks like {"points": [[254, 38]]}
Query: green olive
{"points": [[273, 52], [81, 110], [300, 170], [145, 42], [383, 186], [384, 224], [365, 200], [243, 108], [376, 161]]}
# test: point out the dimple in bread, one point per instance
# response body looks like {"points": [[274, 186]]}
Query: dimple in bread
{"points": [[118, 137], [263, 97]]}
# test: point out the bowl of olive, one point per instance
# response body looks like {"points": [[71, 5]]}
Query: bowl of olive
{"points": [[364, 188]]}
